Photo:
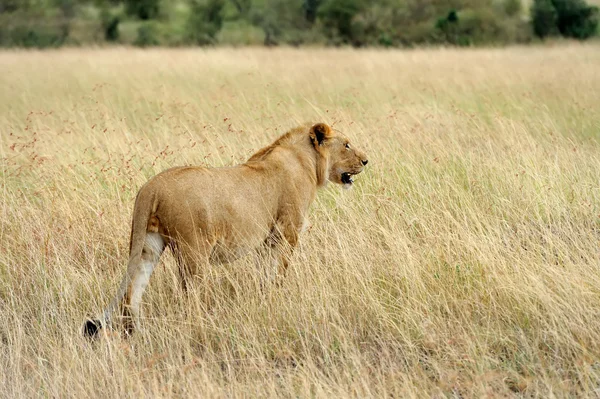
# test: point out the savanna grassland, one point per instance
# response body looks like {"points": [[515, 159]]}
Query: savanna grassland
{"points": [[465, 262]]}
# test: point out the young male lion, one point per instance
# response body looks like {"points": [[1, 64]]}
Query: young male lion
{"points": [[218, 214]]}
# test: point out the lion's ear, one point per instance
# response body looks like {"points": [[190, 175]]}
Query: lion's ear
{"points": [[319, 133]]}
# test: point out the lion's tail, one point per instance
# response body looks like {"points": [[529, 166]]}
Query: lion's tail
{"points": [[145, 206]]}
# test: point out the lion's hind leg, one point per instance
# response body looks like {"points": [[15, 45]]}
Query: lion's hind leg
{"points": [[133, 285], [139, 278], [193, 263]]}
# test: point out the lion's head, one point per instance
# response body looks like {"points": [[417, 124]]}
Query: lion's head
{"points": [[340, 160]]}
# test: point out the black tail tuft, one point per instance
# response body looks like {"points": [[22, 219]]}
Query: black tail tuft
{"points": [[91, 328]]}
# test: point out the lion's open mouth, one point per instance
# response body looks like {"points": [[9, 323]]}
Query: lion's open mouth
{"points": [[347, 178]]}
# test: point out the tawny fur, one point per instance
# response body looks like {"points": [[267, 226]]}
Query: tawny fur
{"points": [[219, 214]]}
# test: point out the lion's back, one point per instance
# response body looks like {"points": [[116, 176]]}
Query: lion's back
{"points": [[223, 203]]}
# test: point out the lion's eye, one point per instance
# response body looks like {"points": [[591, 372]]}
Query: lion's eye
{"points": [[347, 146]]}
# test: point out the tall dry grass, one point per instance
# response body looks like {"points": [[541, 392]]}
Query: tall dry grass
{"points": [[464, 263]]}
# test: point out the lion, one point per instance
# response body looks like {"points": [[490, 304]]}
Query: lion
{"points": [[219, 214]]}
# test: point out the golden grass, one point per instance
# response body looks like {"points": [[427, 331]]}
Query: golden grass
{"points": [[465, 262]]}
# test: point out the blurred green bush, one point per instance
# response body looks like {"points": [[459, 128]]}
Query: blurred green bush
{"points": [[384, 23], [569, 18]]}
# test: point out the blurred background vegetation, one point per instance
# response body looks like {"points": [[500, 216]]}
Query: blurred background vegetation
{"points": [[385, 23]]}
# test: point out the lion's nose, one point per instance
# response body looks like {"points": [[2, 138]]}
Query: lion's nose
{"points": [[365, 161]]}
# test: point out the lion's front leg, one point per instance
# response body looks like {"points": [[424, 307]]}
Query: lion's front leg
{"points": [[285, 241]]}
